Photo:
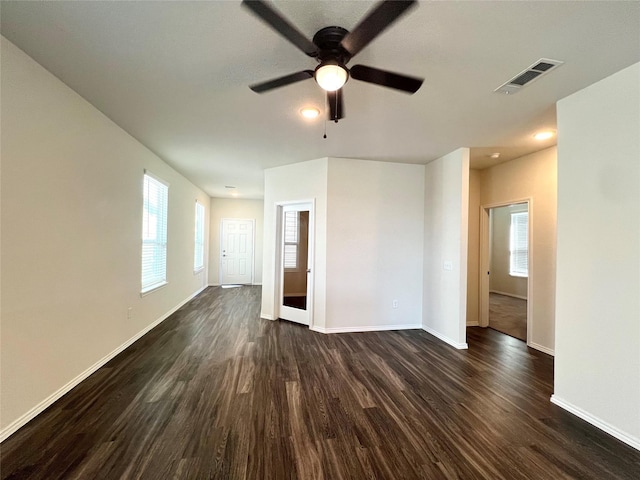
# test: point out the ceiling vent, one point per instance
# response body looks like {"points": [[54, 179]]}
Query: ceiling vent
{"points": [[535, 71]]}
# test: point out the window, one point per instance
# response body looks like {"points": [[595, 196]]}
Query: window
{"points": [[154, 233], [291, 239], [519, 245], [198, 257]]}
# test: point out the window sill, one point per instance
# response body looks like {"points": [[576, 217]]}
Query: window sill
{"points": [[519, 275], [198, 270], [152, 289]]}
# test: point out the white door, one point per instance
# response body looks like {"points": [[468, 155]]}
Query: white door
{"points": [[295, 265], [236, 252]]}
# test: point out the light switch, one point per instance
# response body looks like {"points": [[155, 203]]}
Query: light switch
{"points": [[448, 265]]}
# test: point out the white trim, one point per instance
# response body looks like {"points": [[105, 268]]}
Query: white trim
{"points": [[445, 339], [366, 328], [542, 349], [473, 324], [266, 316], [153, 288], [521, 297], [257, 284], [51, 399], [280, 208], [597, 422], [484, 262]]}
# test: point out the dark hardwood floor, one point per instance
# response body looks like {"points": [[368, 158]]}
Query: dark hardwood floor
{"points": [[215, 392], [508, 315]]}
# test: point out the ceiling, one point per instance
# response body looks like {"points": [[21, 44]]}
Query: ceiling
{"points": [[175, 75]]}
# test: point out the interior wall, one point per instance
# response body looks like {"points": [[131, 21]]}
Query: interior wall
{"points": [[375, 213], [500, 280], [71, 200], [597, 364], [532, 176], [304, 181], [446, 208], [240, 209], [473, 254]]}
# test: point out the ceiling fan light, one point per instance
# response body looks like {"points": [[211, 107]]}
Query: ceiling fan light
{"points": [[331, 77], [310, 112]]}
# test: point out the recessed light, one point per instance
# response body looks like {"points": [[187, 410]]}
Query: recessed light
{"points": [[544, 135], [495, 155], [309, 112]]}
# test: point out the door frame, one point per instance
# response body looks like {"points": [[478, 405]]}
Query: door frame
{"points": [[279, 254], [484, 261], [253, 247]]}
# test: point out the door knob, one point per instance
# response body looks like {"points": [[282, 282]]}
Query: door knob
{"points": [[308, 270]]}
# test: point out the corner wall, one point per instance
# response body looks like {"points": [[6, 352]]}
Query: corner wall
{"points": [[532, 176], [597, 365], [235, 208], [446, 207], [304, 181], [72, 238]]}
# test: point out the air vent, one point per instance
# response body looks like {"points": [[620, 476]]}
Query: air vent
{"points": [[535, 71]]}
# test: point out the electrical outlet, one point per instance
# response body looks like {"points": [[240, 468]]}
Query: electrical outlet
{"points": [[394, 304], [129, 313]]}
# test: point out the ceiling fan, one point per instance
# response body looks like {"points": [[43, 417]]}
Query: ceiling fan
{"points": [[333, 47]]}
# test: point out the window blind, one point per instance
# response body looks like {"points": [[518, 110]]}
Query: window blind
{"points": [[519, 245], [291, 228], [198, 260], [154, 233]]}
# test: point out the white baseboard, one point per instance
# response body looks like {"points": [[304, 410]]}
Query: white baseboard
{"points": [[366, 328], [508, 294], [51, 399], [473, 324], [453, 343], [596, 422], [257, 284], [542, 348], [266, 317]]}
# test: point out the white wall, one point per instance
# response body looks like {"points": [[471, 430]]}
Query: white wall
{"points": [[446, 208], [71, 243], [473, 256], [235, 208], [374, 245], [532, 176], [302, 181], [597, 364]]}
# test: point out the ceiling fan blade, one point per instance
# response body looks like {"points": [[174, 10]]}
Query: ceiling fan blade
{"points": [[334, 99], [377, 20], [386, 79], [270, 16], [281, 81]]}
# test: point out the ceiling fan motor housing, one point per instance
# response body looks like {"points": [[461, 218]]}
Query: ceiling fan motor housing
{"points": [[328, 41]]}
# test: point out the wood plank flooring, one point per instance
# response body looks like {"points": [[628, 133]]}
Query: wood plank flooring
{"points": [[216, 393], [508, 315]]}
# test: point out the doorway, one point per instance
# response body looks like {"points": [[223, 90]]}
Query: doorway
{"points": [[295, 265], [236, 251], [505, 271]]}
